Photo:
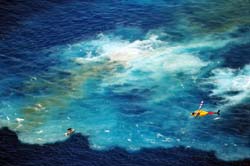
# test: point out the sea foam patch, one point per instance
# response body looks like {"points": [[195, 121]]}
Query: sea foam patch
{"points": [[127, 93], [149, 54], [231, 84]]}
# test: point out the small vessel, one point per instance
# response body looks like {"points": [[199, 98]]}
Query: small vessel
{"points": [[69, 132]]}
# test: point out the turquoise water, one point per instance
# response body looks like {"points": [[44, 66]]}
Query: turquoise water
{"points": [[130, 74]]}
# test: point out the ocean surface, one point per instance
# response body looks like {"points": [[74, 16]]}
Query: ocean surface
{"points": [[125, 75]]}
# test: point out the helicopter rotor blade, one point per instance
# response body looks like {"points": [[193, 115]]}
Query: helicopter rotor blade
{"points": [[201, 104]]}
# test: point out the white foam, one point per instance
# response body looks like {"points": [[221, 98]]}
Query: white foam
{"points": [[167, 140], [39, 132], [226, 80], [106, 131], [217, 118], [183, 63], [19, 120], [39, 139], [38, 105], [79, 60], [148, 55], [158, 135], [19, 126]]}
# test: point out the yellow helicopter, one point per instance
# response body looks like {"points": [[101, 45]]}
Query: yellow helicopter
{"points": [[200, 112]]}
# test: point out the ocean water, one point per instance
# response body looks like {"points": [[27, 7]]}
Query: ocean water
{"points": [[128, 74]]}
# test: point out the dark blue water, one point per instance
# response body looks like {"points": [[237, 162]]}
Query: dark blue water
{"points": [[76, 151], [127, 74]]}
